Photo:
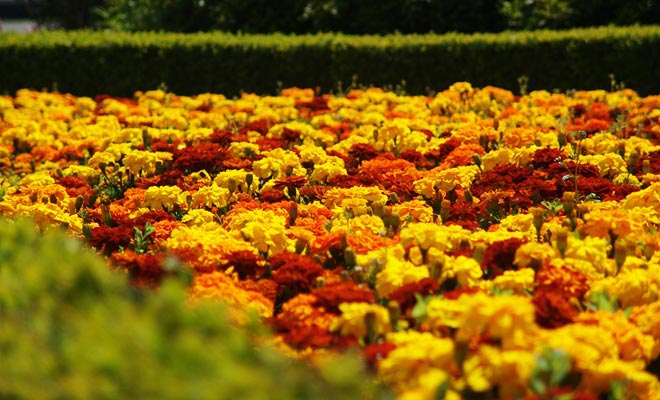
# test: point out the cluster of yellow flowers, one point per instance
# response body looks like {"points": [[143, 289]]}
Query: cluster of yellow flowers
{"points": [[508, 243]]}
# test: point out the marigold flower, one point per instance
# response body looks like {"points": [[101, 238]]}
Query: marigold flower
{"points": [[397, 272], [218, 285], [211, 196], [354, 316], [165, 197], [490, 367], [416, 353]]}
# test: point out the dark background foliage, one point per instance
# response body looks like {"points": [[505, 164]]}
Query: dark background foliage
{"points": [[347, 16]]}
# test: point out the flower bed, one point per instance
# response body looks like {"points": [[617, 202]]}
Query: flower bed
{"points": [[474, 244]]}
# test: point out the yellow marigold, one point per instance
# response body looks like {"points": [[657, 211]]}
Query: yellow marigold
{"points": [[313, 153], [519, 223], [164, 197], [301, 310], [645, 317], [587, 345], [374, 195], [448, 179], [442, 312], [428, 235], [218, 285], [490, 367], [37, 179], [587, 255], [361, 223], [415, 140], [466, 270], [413, 211], [631, 287], [204, 247], [518, 137], [609, 164], [518, 282], [425, 387], [212, 196], [397, 272], [508, 318], [265, 229], [633, 344], [426, 187], [145, 162], [416, 354], [649, 197], [328, 170], [243, 149], [198, 217], [192, 135], [497, 157], [356, 205], [355, 318], [391, 134], [101, 157], [638, 384]]}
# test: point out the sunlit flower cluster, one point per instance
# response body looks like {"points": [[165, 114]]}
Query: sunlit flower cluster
{"points": [[470, 244]]}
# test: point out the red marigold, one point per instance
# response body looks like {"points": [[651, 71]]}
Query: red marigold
{"points": [[111, 239], [290, 182], [168, 178], [552, 308], [245, 263], [272, 196], [544, 157], [76, 186], [417, 158], [438, 155], [405, 295], [205, 156], [295, 272], [567, 281], [267, 287], [331, 296], [143, 269], [373, 353], [499, 257], [360, 152]]}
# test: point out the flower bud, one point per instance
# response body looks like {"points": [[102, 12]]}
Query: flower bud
{"points": [[562, 241], [648, 252], [350, 259], [646, 166], [394, 310], [620, 253], [568, 202], [539, 216], [445, 207], [293, 213], [300, 246], [79, 202], [479, 252], [370, 322]]}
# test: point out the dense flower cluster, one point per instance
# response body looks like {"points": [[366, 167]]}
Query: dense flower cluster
{"points": [[474, 244]]}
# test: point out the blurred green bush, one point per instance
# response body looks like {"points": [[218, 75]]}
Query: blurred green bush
{"points": [[347, 16], [72, 329]]}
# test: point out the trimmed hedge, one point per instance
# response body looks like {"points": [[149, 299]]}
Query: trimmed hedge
{"points": [[90, 63]]}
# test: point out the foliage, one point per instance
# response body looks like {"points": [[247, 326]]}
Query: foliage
{"points": [[118, 63], [71, 328], [347, 16]]}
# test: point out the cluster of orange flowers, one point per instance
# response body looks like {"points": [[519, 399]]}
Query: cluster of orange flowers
{"points": [[473, 244]]}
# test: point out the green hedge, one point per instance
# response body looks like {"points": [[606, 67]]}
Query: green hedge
{"points": [[72, 329], [89, 63]]}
